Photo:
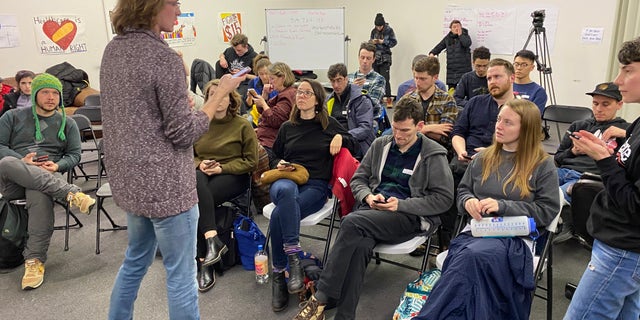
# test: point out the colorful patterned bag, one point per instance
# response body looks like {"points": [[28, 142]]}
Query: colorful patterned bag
{"points": [[416, 295]]}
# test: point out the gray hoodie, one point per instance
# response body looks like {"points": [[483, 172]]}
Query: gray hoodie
{"points": [[431, 183]]}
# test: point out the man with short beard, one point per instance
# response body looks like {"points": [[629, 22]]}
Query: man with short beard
{"points": [[475, 126]]}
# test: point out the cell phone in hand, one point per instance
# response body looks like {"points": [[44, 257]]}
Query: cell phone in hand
{"points": [[252, 92], [40, 158], [467, 157], [380, 201], [286, 163], [242, 72], [573, 135]]}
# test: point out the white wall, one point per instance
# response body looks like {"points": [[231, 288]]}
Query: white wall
{"points": [[577, 67]]}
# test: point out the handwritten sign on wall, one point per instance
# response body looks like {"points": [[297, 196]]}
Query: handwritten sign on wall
{"points": [[60, 34], [504, 30], [231, 24]]}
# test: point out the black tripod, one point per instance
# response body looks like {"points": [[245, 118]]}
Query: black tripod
{"points": [[543, 59]]}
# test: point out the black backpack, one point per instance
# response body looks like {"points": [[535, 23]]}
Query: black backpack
{"points": [[225, 215], [13, 220]]}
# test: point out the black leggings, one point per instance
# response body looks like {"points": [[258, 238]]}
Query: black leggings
{"points": [[213, 191]]}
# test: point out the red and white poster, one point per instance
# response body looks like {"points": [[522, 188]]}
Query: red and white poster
{"points": [[60, 34]]}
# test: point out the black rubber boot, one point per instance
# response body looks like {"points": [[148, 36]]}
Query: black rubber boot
{"points": [[206, 278], [279, 294], [296, 275], [215, 250]]}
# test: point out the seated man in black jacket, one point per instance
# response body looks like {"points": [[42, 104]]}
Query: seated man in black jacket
{"points": [[573, 162]]}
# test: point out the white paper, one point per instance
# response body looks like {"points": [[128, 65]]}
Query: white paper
{"points": [[592, 35], [9, 35]]}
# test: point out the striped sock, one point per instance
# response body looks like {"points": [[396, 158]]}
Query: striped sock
{"points": [[292, 248]]}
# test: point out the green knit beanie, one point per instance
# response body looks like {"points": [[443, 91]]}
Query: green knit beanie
{"points": [[42, 81]]}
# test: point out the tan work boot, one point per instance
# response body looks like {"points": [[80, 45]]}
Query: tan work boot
{"points": [[84, 202], [311, 310], [33, 274]]}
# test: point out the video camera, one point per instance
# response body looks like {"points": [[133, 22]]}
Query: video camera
{"points": [[538, 18]]}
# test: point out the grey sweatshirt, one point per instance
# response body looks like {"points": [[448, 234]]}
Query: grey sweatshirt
{"points": [[542, 204]]}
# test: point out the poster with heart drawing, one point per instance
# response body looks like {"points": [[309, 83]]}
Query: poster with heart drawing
{"points": [[63, 34]]}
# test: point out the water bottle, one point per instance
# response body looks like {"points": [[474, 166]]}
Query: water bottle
{"points": [[261, 261], [503, 226]]}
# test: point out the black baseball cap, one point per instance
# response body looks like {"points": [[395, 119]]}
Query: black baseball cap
{"points": [[607, 89]]}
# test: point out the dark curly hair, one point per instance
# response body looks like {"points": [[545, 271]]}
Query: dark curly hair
{"points": [[630, 52]]}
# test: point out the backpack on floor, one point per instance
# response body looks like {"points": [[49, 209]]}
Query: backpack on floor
{"points": [[416, 295], [13, 220], [249, 237], [225, 215]]}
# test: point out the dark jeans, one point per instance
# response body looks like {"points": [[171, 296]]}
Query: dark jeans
{"points": [[293, 203], [345, 267], [212, 192], [384, 70]]}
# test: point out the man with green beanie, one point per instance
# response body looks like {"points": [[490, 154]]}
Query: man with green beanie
{"points": [[36, 145]]}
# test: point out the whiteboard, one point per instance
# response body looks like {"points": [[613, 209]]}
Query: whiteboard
{"points": [[306, 39], [504, 30]]}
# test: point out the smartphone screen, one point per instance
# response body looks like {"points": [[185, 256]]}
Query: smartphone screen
{"points": [[242, 72]]}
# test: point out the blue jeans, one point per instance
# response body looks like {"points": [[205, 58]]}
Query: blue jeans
{"points": [[176, 237], [293, 203], [609, 287], [567, 178]]}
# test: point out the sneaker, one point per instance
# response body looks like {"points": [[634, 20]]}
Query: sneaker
{"points": [[33, 274], [311, 310], [84, 202]]}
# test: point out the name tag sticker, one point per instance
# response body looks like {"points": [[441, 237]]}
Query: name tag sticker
{"points": [[407, 171]]}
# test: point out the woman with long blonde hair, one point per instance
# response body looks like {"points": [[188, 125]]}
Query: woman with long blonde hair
{"points": [[492, 278]]}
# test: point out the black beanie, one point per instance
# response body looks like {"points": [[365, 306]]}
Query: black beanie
{"points": [[379, 21]]}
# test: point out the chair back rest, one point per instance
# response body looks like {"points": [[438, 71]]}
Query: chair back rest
{"points": [[84, 126], [553, 226], [566, 114], [82, 121], [94, 113], [92, 100], [582, 195]]}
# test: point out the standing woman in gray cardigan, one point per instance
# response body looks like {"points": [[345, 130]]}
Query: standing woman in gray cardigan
{"points": [[149, 131], [492, 278]]}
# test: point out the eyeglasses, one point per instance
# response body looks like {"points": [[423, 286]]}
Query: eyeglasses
{"points": [[304, 93], [520, 65], [174, 3]]}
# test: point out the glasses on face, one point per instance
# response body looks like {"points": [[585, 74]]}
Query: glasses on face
{"points": [[174, 3], [304, 93], [521, 65]]}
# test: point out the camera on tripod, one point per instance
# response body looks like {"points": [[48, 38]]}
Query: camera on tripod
{"points": [[538, 18]]}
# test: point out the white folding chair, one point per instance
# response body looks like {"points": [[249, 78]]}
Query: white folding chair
{"points": [[404, 248], [328, 211]]}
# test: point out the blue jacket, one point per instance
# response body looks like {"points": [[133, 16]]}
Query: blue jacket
{"points": [[477, 122], [359, 117]]}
